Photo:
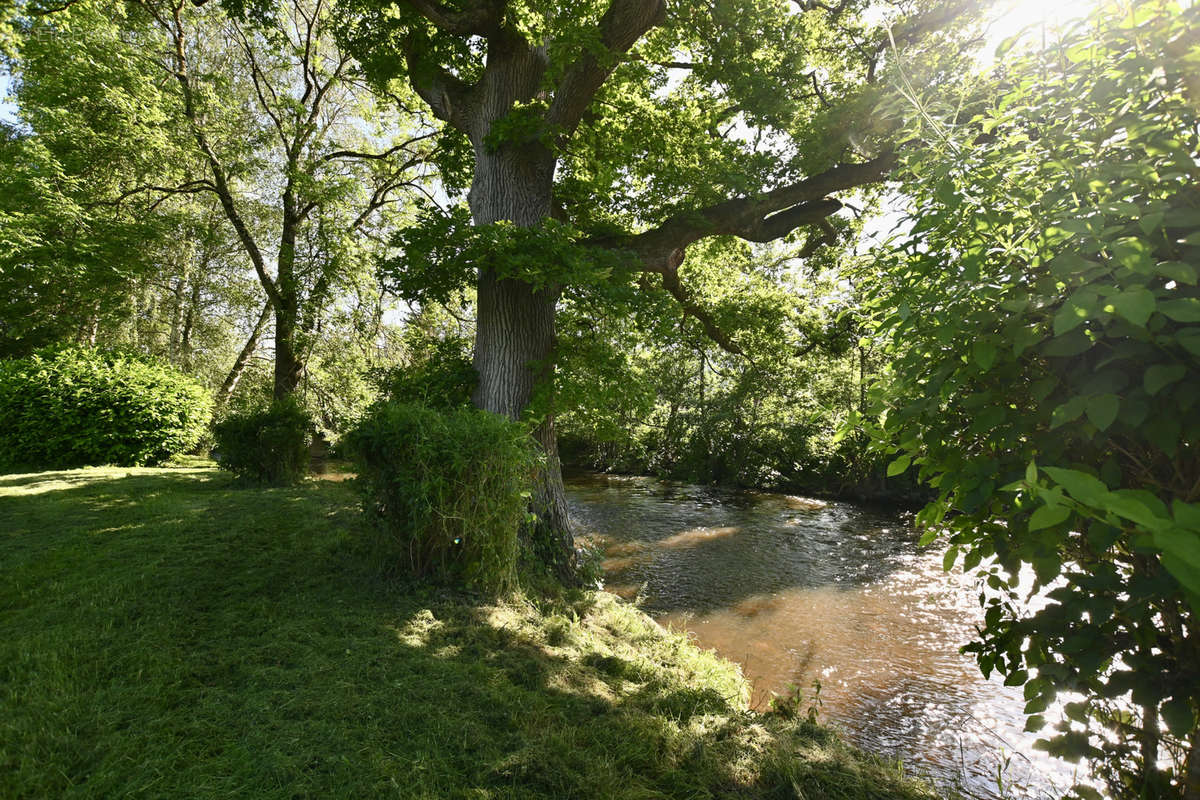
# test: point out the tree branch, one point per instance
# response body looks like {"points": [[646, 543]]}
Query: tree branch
{"points": [[914, 28], [191, 187], [224, 193], [762, 218], [386, 154], [446, 94], [479, 18], [259, 81], [622, 25], [671, 282]]}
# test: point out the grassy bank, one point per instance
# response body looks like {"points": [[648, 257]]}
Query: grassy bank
{"points": [[163, 633]]}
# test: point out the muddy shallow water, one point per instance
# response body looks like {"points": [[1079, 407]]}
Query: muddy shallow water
{"points": [[801, 592]]}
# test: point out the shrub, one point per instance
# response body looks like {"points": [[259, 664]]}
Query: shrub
{"points": [[448, 489], [1047, 329], [265, 446], [439, 375], [72, 407]]}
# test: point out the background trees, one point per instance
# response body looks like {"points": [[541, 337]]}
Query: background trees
{"points": [[1043, 315], [319, 157], [181, 179], [645, 389]]}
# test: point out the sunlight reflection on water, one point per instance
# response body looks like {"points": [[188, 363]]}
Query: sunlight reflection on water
{"points": [[799, 591]]}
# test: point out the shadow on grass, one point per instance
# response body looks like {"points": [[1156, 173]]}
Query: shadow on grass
{"points": [[166, 634]]}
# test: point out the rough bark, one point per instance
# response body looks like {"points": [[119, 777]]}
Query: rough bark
{"points": [[189, 321], [515, 337], [289, 366]]}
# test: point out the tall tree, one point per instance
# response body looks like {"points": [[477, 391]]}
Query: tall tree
{"points": [[172, 166], [629, 127], [284, 128]]}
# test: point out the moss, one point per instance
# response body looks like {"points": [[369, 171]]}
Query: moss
{"points": [[168, 634]]}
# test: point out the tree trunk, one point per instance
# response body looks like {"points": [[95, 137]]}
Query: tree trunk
{"points": [[515, 339], [239, 365], [176, 319], [288, 365], [189, 321]]}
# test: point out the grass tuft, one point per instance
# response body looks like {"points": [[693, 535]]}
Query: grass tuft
{"points": [[164, 633]]}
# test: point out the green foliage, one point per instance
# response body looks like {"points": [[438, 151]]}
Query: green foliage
{"points": [[85, 97], [441, 254], [67, 407], [265, 446], [647, 391], [438, 375], [450, 491], [1044, 320], [131, 207]]}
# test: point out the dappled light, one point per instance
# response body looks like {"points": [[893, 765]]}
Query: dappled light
{"points": [[615, 399], [300, 666], [882, 645]]}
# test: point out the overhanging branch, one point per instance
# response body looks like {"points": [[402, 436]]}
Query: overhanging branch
{"points": [[671, 282], [761, 218]]}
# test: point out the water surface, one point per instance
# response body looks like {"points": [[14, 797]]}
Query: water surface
{"points": [[801, 592]]}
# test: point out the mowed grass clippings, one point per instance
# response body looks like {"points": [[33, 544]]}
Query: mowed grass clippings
{"points": [[166, 634]]}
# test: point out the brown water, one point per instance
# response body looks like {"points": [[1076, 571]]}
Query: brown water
{"points": [[800, 592]]}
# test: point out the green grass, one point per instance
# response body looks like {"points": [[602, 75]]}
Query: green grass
{"points": [[164, 634]]}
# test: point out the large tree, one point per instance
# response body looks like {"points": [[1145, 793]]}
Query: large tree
{"points": [[634, 129], [303, 137]]}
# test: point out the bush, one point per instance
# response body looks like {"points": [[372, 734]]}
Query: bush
{"points": [[1045, 316], [439, 375], [265, 446], [72, 407], [448, 489]]}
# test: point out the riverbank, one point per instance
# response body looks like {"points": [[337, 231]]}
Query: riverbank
{"points": [[877, 492], [167, 634]]}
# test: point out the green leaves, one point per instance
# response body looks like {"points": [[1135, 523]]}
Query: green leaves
{"points": [[1047, 516], [74, 407], [1081, 486], [985, 353], [442, 254], [1179, 716], [1102, 410], [1135, 305], [1086, 263], [1160, 376], [1184, 309]]}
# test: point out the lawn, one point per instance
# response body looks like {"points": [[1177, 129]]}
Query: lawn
{"points": [[164, 633]]}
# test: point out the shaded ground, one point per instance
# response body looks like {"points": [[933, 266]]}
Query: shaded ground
{"points": [[163, 633]]}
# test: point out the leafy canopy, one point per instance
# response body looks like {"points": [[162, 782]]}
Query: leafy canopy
{"points": [[1044, 317]]}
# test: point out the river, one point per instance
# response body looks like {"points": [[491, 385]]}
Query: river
{"points": [[800, 592]]}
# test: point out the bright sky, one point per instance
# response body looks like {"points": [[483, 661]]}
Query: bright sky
{"points": [[1011, 17], [7, 110]]}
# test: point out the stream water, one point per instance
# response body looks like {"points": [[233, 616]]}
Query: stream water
{"points": [[801, 592]]}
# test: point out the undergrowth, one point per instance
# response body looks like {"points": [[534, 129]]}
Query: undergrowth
{"points": [[165, 633]]}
